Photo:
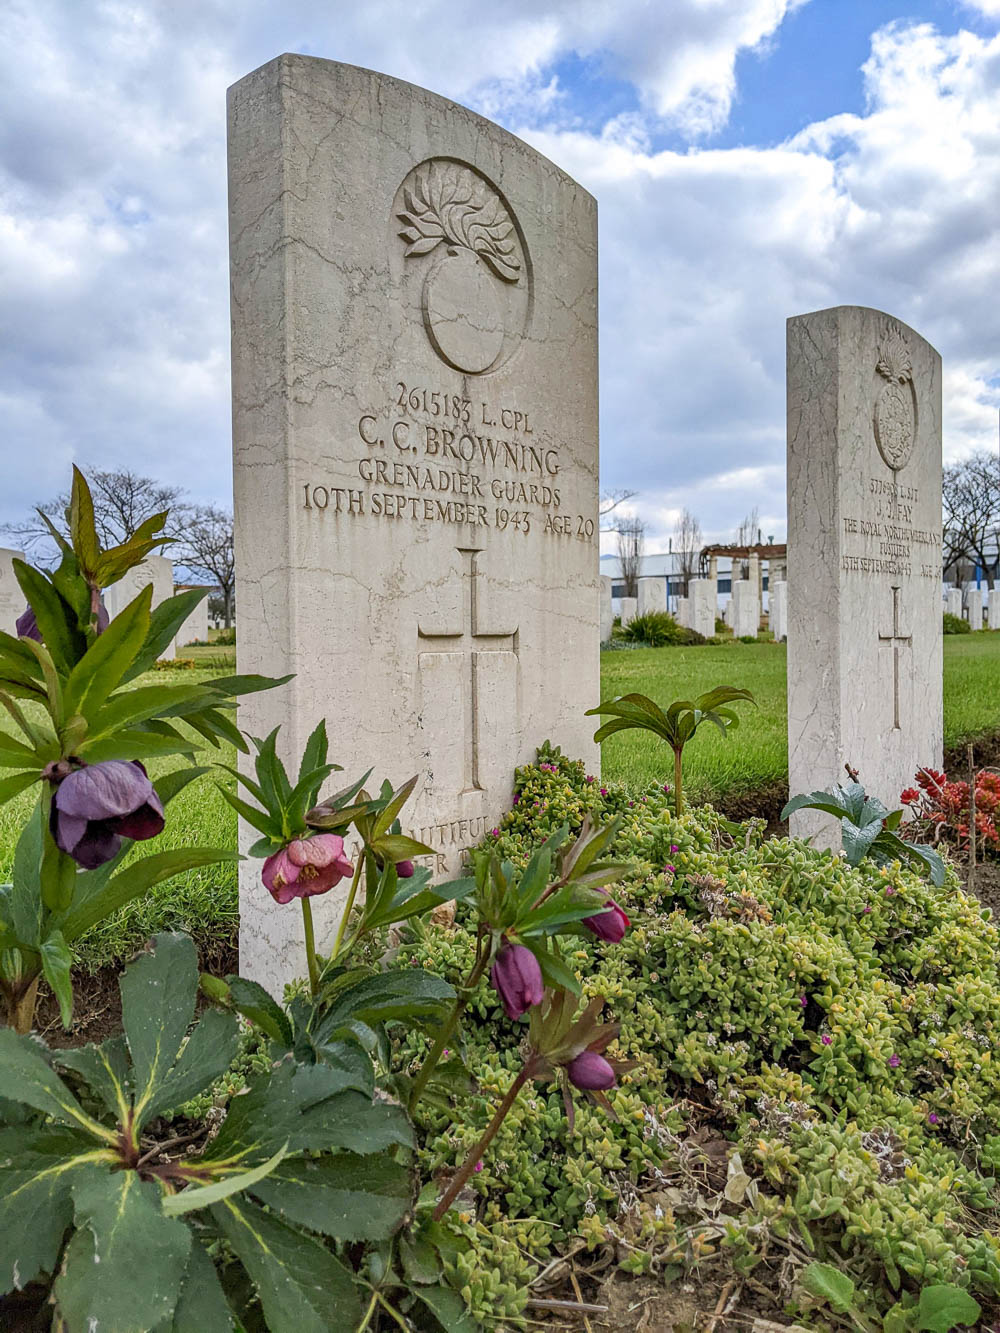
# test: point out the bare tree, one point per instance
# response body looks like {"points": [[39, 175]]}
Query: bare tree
{"points": [[205, 546], [746, 535], [687, 542], [610, 501], [970, 497], [631, 540], [123, 500]]}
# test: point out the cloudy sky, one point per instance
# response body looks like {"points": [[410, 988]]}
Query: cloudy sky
{"points": [[752, 159]]}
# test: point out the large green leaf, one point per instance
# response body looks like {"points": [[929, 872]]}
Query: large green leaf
{"points": [[943, 1307], [105, 1070], [344, 1196], [448, 1309], [158, 997], [125, 1265], [37, 1169], [201, 1305], [26, 1078], [26, 897], [408, 993], [135, 879], [100, 669], [14, 785], [56, 963], [130, 706], [196, 1197], [256, 1004], [56, 619], [208, 1053], [303, 1287], [164, 622]]}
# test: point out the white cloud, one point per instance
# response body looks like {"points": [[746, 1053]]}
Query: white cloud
{"points": [[113, 284]]}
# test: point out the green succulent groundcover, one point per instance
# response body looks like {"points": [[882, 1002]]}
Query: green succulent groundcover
{"points": [[837, 1025]]}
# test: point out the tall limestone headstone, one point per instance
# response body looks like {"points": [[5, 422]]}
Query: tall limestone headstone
{"points": [[778, 609], [195, 628], [652, 595], [155, 569], [745, 609], [953, 602], [12, 601], [414, 304], [993, 610], [974, 605], [864, 555], [629, 610]]}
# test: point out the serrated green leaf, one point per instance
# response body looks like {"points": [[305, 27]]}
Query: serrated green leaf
{"points": [[257, 1005], [345, 1196], [203, 1196], [201, 1306], [37, 1170], [158, 989], [209, 1051], [125, 1264], [303, 1288], [105, 1070], [25, 1077], [385, 996]]}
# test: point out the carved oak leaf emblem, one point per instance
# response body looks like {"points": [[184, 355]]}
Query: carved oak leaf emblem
{"points": [[448, 203]]}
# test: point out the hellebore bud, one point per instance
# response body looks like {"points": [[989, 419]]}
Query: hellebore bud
{"points": [[94, 807], [27, 626], [517, 978], [610, 924], [306, 867], [591, 1072]]}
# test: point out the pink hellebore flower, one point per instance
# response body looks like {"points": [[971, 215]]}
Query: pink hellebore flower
{"points": [[591, 1072], [517, 978], [306, 867], [610, 924]]}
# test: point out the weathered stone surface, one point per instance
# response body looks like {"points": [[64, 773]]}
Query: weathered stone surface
{"points": [[652, 595], [683, 613], [702, 602], [994, 608], [155, 569], [629, 610], [607, 616], [12, 601], [778, 609], [745, 609], [195, 628], [864, 555], [974, 607], [414, 298], [954, 602]]}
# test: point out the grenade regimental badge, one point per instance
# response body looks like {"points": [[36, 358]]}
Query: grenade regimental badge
{"points": [[475, 297], [895, 415]]}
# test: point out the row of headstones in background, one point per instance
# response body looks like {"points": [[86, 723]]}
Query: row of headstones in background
{"points": [[157, 570], [976, 600], [414, 298]]}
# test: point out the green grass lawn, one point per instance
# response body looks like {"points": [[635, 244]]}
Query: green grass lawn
{"points": [[206, 902], [757, 753]]}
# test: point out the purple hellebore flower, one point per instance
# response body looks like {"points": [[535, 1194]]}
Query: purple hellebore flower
{"points": [[27, 626], [517, 978], [610, 924], [94, 807], [591, 1072]]}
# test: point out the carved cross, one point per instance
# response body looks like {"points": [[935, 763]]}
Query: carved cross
{"points": [[477, 643], [895, 638]]}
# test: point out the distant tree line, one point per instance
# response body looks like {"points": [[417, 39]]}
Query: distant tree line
{"points": [[970, 501]]}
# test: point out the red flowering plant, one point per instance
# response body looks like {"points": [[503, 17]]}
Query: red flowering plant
{"points": [[941, 811]]}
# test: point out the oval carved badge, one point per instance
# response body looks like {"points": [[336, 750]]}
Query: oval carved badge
{"points": [[476, 291], [895, 415]]}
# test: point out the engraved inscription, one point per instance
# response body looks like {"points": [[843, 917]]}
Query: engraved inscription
{"points": [[896, 637], [895, 414], [887, 535], [463, 242]]}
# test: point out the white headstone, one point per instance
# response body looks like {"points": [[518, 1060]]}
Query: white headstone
{"points": [[778, 610], [954, 602], [195, 628], [629, 610], [155, 569], [683, 612], [994, 607], [745, 609], [974, 603], [702, 606], [12, 601], [864, 555], [414, 297], [652, 595], [606, 612]]}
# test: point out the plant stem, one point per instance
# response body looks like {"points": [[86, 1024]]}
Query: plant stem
{"points": [[678, 795], [459, 1181], [307, 922], [22, 1010], [446, 1033], [368, 1314], [349, 907]]}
